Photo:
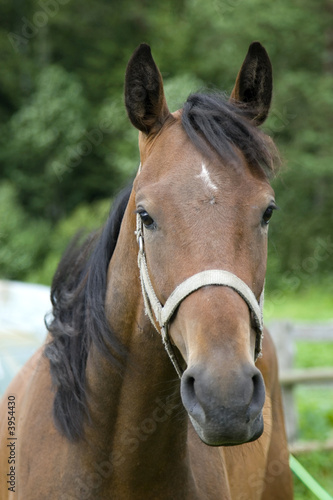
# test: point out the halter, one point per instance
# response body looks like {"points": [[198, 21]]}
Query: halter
{"points": [[163, 314]]}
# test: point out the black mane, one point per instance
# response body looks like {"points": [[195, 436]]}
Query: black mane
{"points": [[78, 296], [214, 123], [79, 285]]}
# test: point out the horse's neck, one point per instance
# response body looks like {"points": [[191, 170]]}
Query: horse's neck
{"points": [[138, 421]]}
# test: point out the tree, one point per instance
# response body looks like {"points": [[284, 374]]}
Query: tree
{"points": [[65, 139]]}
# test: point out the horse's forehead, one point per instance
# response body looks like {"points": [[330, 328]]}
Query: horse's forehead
{"points": [[172, 155], [170, 142]]}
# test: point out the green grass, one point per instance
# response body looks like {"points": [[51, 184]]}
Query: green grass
{"points": [[319, 465], [314, 403], [315, 410], [315, 304], [313, 354]]}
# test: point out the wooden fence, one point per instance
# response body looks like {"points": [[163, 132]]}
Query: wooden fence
{"points": [[285, 335]]}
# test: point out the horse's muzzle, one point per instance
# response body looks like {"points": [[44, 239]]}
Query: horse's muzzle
{"points": [[224, 412]]}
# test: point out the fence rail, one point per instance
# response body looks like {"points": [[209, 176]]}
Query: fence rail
{"points": [[299, 447], [285, 335], [306, 375], [312, 332]]}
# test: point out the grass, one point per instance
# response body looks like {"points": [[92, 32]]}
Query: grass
{"points": [[313, 354], [310, 305], [314, 403], [319, 465], [315, 410]]}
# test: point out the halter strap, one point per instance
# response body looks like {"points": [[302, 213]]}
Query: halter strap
{"points": [[163, 314]]}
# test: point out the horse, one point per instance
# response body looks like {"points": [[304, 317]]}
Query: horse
{"points": [[157, 380]]}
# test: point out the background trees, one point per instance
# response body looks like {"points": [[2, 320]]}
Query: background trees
{"points": [[66, 145]]}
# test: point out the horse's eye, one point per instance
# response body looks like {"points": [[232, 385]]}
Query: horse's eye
{"points": [[268, 214], [146, 219]]}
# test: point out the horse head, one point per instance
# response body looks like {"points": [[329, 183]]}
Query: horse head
{"points": [[203, 203]]}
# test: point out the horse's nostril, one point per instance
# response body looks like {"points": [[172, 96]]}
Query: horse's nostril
{"points": [[189, 396], [257, 381], [190, 383], [258, 396], [188, 390]]}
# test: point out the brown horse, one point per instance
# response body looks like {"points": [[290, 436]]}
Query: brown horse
{"points": [[99, 412]]}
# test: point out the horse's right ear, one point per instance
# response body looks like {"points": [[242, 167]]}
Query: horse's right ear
{"points": [[144, 95]]}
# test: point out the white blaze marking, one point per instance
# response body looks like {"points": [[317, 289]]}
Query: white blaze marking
{"points": [[205, 177]]}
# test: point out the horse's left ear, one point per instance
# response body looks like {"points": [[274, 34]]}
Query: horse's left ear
{"points": [[254, 83], [144, 95]]}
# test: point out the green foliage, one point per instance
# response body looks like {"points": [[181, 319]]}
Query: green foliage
{"points": [[23, 240], [65, 139], [40, 138], [84, 219], [178, 88]]}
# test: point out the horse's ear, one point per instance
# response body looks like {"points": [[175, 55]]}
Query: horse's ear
{"points": [[144, 96], [254, 83]]}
